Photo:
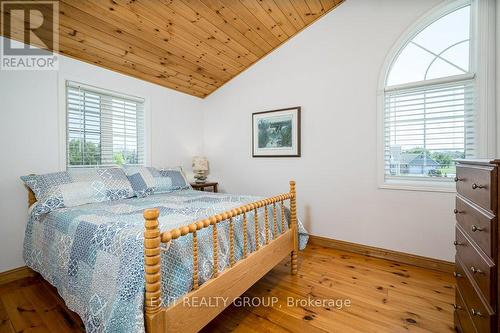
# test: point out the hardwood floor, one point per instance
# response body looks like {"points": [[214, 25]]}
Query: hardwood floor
{"points": [[33, 305], [385, 297]]}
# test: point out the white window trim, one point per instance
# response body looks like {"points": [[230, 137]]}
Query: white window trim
{"points": [[62, 124], [483, 28]]}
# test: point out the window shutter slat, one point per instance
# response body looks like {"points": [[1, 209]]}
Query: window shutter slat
{"points": [[425, 128], [103, 128]]}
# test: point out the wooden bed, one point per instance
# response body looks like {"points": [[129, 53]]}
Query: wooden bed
{"points": [[229, 284]]}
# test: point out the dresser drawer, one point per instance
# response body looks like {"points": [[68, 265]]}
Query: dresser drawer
{"points": [[478, 183], [477, 224], [463, 321], [481, 314], [481, 268]]}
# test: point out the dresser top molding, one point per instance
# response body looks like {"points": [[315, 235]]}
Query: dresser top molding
{"points": [[478, 161]]}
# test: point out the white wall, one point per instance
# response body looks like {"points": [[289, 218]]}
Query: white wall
{"points": [[332, 70], [31, 134]]}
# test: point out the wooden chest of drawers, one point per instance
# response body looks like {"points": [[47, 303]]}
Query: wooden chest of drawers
{"points": [[476, 243]]}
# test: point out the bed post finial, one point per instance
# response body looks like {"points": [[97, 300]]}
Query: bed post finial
{"points": [[152, 242], [293, 227]]}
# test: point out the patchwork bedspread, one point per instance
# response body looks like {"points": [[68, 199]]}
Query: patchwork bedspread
{"points": [[93, 254]]}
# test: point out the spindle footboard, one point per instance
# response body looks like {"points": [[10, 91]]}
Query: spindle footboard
{"points": [[183, 316]]}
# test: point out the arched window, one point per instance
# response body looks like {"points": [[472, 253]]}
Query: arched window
{"points": [[439, 50], [429, 113]]}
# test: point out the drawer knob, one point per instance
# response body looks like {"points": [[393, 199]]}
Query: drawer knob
{"points": [[475, 186], [475, 312], [457, 307], [456, 179], [475, 270], [457, 275], [475, 228], [456, 243]]}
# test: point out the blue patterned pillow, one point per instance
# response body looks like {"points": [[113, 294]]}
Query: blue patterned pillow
{"points": [[77, 187], [147, 180], [47, 191], [179, 181], [105, 183]]}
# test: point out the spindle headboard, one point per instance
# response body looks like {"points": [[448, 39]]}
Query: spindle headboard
{"points": [[31, 197]]}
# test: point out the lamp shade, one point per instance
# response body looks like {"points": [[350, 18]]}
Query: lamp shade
{"points": [[200, 163]]}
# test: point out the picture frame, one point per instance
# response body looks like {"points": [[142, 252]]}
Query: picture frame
{"points": [[276, 133]]}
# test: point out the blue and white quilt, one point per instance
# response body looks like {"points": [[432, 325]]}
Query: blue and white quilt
{"points": [[93, 254]]}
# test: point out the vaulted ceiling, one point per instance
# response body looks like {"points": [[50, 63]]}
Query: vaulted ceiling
{"points": [[193, 46]]}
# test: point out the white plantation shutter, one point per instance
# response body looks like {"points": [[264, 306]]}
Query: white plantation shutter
{"points": [[422, 124], [103, 127]]}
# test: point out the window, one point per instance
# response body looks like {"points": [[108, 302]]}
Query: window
{"points": [[103, 128], [429, 105]]}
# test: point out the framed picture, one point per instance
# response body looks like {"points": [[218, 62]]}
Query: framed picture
{"points": [[276, 133]]}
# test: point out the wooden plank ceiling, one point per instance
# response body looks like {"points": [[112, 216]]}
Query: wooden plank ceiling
{"points": [[193, 46]]}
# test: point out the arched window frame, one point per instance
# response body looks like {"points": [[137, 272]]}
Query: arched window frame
{"points": [[482, 64]]}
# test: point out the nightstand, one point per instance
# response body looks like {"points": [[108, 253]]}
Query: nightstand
{"points": [[201, 186]]}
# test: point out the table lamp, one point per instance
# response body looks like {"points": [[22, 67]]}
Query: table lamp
{"points": [[200, 168]]}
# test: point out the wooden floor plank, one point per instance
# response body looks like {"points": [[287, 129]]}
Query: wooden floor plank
{"points": [[49, 309], [22, 313], [386, 297], [5, 324], [71, 319]]}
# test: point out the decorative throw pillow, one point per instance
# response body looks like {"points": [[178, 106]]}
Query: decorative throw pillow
{"points": [[144, 180], [147, 180], [105, 184], [47, 191], [77, 187], [179, 180]]}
